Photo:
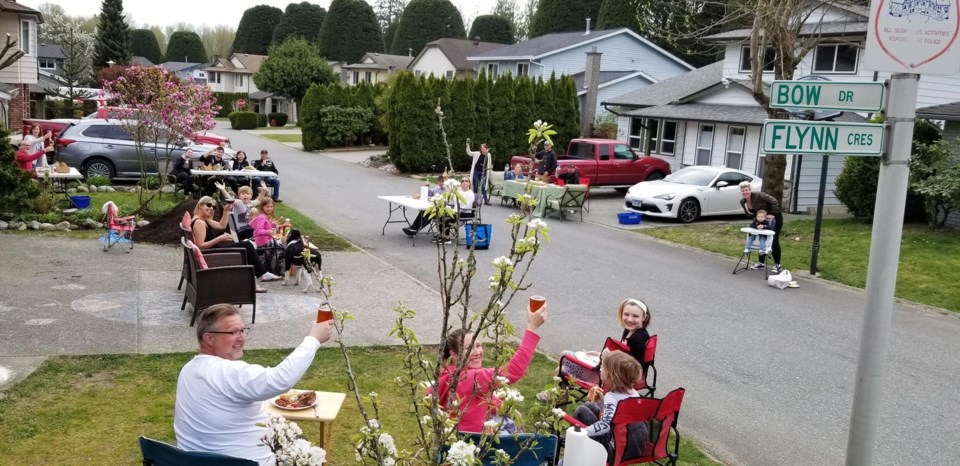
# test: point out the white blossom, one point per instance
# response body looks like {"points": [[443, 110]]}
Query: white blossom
{"points": [[558, 412], [374, 424], [537, 224], [451, 184], [508, 394], [461, 453], [501, 380], [426, 420], [503, 261], [386, 442]]}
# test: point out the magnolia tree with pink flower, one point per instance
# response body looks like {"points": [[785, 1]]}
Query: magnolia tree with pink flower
{"points": [[159, 110]]}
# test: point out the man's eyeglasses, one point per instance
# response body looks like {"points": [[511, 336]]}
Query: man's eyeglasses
{"points": [[236, 333]]}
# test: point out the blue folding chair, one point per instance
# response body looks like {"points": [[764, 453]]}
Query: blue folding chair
{"points": [[161, 454]]}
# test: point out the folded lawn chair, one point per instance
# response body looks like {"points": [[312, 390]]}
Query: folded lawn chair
{"points": [[119, 229], [580, 387]]}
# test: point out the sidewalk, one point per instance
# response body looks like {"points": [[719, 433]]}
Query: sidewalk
{"points": [[72, 298]]}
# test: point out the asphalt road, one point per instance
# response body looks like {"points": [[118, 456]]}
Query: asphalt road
{"points": [[769, 373]]}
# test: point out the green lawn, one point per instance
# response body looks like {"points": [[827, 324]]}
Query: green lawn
{"points": [[320, 236], [929, 259], [91, 409], [283, 137], [276, 128]]}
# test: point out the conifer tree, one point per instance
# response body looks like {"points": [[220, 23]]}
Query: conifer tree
{"points": [[568, 113], [491, 28], [461, 121], [301, 20], [481, 97], [544, 102], [143, 43], [349, 30], [113, 36], [615, 14], [426, 21], [186, 46], [310, 117], [255, 32], [523, 111], [501, 116], [563, 16]]}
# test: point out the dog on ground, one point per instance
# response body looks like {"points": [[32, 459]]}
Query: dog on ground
{"points": [[303, 261]]}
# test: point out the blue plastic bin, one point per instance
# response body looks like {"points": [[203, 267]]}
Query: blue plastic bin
{"points": [[80, 202], [483, 235], [629, 218]]}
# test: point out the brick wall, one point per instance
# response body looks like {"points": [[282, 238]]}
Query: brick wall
{"points": [[19, 107]]}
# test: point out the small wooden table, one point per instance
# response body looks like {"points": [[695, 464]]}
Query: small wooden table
{"points": [[325, 412]]}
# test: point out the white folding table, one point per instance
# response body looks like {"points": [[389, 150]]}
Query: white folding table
{"points": [[401, 204]]}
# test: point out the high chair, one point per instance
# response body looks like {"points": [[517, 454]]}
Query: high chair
{"points": [[748, 253]]}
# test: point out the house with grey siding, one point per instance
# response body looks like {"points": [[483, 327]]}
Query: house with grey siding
{"points": [[950, 115], [627, 62], [710, 117]]}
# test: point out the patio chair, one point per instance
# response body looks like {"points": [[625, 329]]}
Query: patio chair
{"points": [[495, 184], [119, 230], [224, 256], [234, 284], [537, 450], [161, 454], [646, 386], [571, 201]]}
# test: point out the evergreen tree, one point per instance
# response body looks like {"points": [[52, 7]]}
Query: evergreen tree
{"points": [[301, 20], [523, 112], [490, 28], [544, 105], [349, 30], [310, 123], [17, 188], [113, 36], [567, 122], [186, 46], [481, 97], [290, 69], [409, 107], [143, 43], [563, 16], [615, 14], [461, 121], [437, 92], [255, 32], [501, 116], [389, 33], [392, 114], [426, 21]]}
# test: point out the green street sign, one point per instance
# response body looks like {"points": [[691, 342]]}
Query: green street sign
{"points": [[822, 137], [827, 95]]}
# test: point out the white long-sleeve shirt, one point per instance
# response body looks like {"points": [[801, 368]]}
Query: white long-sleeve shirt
{"points": [[219, 401], [610, 401]]}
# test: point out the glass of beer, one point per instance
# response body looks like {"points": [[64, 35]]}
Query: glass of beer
{"points": [[536, 302], [324, 314]]}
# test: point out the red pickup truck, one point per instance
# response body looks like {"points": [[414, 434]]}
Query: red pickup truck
{"points": [[107, 113], [607, 162]]}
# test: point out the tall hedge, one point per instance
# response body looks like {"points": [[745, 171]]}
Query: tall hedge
{"points": [[492, 28], [349, 30], [523, 111], [481, 97], [143, 43], [616, 14], [501, 117], [255, 31], [554, 16], [426, 21], [186, 46], [461, 121], [315, 99], [567, 106], [228, 100], [300, 20], [329, 116]]}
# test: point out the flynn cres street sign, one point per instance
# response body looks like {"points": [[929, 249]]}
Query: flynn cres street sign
{"points": [[822, 138], [827, 95]]}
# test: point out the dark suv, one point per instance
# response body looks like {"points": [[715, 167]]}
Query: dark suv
{"points": [[105, 148]]}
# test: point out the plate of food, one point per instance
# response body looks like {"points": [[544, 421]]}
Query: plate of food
{"points": [[296, 400]]}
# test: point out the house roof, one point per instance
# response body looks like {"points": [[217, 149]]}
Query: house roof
{"points": [[457, 51], [831, 29], [950, 111], [250, 62], [142, 61], [608, 77], [381, 61], [13, 6], [175, 66], [742, 114], [50, 51], [550, 44], [672, 89]]}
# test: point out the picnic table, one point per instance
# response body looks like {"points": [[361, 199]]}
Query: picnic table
{"points": [[246, 173], [401, 204], [512, 189]]}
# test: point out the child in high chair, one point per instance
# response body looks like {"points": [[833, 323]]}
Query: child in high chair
{"points": [[761, 222]]}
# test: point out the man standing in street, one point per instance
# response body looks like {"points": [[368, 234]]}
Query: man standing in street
{"points": [[220, 398], [267, 165], [548, 162]]}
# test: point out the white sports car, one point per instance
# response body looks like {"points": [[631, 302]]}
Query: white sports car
{"points": [[691, 192]]}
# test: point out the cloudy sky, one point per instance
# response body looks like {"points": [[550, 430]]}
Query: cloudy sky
{"points": [[211, 12]]}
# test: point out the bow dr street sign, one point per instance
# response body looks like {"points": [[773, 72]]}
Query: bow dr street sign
{"points": [[828, 95], [822, 138]]}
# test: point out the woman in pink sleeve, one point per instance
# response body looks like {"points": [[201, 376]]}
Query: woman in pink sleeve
{"points": [[475, 401], [264, 226]]}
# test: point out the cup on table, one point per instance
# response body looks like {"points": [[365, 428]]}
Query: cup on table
{"points": [[536, 302], [324, 314]]}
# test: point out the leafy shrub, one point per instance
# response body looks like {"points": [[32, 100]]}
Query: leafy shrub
{"points": [[152, 182], [243, 120], [50, 217], [227, 102], [16, 186], [856, 186], [262, 120], [280, 118], [343, 125], [99, 180]]}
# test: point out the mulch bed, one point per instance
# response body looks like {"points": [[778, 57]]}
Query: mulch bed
{"points": [[166, 228]]}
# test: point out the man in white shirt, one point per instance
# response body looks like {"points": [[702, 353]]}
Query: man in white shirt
{"points": [[219, 397]]}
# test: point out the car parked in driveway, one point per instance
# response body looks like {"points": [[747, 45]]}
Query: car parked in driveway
{"points": [[107, 113], [104, 148], [690, 193]]}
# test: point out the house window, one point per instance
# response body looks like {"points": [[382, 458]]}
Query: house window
{"points": [[704, 144], [735, 139], [835, 58], [636, 133], [523, 69], [768, 57], [356, 77], [25, 37], [47, 63], [449, 74], [238, 80], [493, 69], [215, 77], [653, 130], [662, 135], [368, 76]]}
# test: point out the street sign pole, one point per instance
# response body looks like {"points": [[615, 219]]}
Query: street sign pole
{"points": [[882, 271], [815, 250]]}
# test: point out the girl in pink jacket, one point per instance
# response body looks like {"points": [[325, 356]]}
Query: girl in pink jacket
{"points": [[475, 401], [264, 225]]}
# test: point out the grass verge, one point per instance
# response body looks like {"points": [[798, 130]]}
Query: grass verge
{"points": [[93, 408], [320, 236], [283, 137], [928, 259]]}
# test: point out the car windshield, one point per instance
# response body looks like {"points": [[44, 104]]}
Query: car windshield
{"points": [[693, 176]]}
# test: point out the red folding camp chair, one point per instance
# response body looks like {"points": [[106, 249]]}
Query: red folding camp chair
{"points": [[119, 229], [586, 197], [579, 387]]}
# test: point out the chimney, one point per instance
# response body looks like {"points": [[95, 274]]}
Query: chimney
{"points": [[587, 33], [591, 80]]}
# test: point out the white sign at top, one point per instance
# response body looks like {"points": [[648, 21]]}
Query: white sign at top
{"points": [[913, 36]]}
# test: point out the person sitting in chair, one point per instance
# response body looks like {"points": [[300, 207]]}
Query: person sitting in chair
{"points": [[762, 222], [515, 174], [464, 211], [267, 165], [570, 174], [419, 222]]}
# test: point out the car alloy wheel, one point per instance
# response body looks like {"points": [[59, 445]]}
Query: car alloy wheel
{"points": [[688, 211], [654, 176], [98, 168]]}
